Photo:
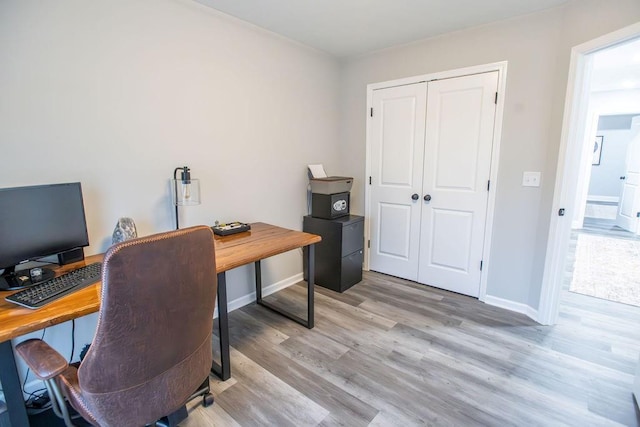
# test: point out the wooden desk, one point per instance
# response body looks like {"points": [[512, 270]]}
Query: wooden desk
{"points": [[263, 241]]}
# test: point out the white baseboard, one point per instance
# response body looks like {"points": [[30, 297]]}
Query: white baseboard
{"points": [[609, 199], [518, 307]]}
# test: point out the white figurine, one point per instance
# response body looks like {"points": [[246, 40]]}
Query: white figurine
{"points": [[125, 230]]}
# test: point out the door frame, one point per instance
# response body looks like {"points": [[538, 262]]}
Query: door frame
{"points": [[501, 68], [570, 154]]}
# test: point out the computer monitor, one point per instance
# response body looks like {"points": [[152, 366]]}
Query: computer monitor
{"points": [[38, 221]]}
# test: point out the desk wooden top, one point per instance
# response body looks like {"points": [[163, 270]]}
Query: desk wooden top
{"points": [[262, 241]]}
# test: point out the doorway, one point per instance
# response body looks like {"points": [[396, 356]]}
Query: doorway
{"points": [[575, 157], [604, 252]]}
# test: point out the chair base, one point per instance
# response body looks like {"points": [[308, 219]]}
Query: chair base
{"points": [[205, 391], [176, 417]]}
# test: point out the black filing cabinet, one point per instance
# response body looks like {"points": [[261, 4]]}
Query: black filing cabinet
{"points": [[339, 256]]}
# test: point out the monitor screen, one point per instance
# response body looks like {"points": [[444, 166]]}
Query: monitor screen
{"points": [[40, 220]]}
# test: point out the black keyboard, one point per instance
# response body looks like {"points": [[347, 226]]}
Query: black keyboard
{"points": [[50, 290]]}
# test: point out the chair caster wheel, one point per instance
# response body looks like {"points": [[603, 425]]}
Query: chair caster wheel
{"points": [[207, 400]]}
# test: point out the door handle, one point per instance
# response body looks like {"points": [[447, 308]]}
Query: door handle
{"points": [[415, 196], [427, 197]]}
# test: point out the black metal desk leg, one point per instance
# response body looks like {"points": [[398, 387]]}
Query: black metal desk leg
{"points": [[258, 282], [308, 322], [11, 387], [311, 276], [222, 370]]}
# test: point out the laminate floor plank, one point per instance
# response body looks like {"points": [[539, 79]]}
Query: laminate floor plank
{"points": [[346, 409], [364, 381], [347, 297], [495, 367], [389, 352], [260, 398], [350, 314], [207, 417], [612, 402], [273, 319], [410, 313], [527, 405]]}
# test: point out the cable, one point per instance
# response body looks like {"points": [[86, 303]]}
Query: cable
{"points": [[73, 339], [35, 395]]}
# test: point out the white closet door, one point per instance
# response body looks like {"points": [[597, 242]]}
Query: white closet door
{"points": [[397, 146], [457, 162]]}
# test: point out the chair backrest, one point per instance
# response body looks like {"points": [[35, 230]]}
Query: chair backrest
{"points": [[152, 346]]}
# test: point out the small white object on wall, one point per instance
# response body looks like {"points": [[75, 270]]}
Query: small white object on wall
{"points": [[531, 179]]}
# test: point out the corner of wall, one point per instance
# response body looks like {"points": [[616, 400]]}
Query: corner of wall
{"points": [[518, 307]]}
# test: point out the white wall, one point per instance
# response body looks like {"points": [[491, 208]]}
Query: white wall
{"points": [[118, 93], [605, 177], [615, 102], [537, 49]]}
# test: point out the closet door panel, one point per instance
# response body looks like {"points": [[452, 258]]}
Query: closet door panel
{"points": [[457, 163], [451, 233], [397, 147], [457, 140]]}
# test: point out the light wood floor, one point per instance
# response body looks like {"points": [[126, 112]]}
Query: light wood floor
{"points": [[389, 352]]}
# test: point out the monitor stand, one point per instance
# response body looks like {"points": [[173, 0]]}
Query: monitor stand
{"points": [[11, 280]]}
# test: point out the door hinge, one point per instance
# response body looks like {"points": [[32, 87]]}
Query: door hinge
{"points": [[480, 265], [369, 180], [637, 214], [368, 243], [371, 112], [495, 101], [488, 185]]}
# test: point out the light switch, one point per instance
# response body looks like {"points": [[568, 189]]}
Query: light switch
{"points": [[531, 179]]}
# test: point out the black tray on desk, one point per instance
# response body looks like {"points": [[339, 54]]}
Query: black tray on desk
{"points": [[230, 228]]}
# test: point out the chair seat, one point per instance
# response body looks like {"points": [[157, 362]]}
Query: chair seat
{"points": [[69, 385]]}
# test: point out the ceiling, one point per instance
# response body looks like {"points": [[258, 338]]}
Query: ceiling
{"points": [[352, 27]]}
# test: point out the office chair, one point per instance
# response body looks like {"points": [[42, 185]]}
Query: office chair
{"points": [[152, 346]]}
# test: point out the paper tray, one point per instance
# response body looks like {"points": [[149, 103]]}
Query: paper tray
{"points": [[331, 184]]}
